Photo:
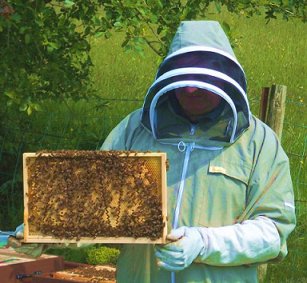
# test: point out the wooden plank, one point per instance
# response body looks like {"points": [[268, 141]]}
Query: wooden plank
{"points": [[264, 104], [164, 195], [276, 108], [98, 240], [147, 190], [25, 195]]}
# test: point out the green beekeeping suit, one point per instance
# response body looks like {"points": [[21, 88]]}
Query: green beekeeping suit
{"points": [[228, 174]]}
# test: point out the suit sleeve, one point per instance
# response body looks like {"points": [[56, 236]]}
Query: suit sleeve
{"points": [[261, 233]]}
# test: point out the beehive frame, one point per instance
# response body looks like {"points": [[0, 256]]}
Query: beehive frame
{"points": [[117, 209]]}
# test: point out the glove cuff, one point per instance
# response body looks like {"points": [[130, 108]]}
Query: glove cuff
{"points": [[205, 243]]}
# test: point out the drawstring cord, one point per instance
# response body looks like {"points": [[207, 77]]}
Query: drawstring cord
{"points": [[181, 146], [188, 148]]}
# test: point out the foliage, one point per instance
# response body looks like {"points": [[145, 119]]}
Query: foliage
{"points": [[44, 50], [44, 44], [102, 255], [154, 22], [92, 254], [11, 203], [71, 254]]}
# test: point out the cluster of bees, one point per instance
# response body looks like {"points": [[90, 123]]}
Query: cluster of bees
{"points": [[92, 274], [74, 194]]}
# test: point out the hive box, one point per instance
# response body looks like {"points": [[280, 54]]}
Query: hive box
{"points": [[95, 197], [14, 265], [80, 273]]}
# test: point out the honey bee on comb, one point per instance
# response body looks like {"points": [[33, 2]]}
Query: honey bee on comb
{"points": [[100, 196]]}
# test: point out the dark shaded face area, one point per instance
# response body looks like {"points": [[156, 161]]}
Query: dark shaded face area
{"points": [[205, 59], [196, 102]]}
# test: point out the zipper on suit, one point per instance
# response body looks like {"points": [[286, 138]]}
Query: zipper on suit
{"points": [[193, 129], [188, 148]]}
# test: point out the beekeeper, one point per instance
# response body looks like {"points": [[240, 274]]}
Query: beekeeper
{"points": [[230, 196]]}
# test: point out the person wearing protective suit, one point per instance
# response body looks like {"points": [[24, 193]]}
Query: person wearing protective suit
{"points": [[230, 196]]}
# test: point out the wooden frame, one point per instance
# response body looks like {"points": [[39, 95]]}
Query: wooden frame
{"points": [[31, 236], [74, 275]]}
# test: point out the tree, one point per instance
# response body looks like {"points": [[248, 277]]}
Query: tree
{"points": [[154, 21], [44, 50], [44, 44]]}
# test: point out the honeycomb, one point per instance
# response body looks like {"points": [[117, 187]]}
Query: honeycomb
{"points": [[89, 274], [75, 194]]}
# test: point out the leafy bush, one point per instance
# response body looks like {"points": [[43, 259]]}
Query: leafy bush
{"points": [[70, 254], [102, 255], [93, 254]]}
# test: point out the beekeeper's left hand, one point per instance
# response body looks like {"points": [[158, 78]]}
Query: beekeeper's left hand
{"points": [[15, 241], [187, 244]]}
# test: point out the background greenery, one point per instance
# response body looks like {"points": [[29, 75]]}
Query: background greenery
{"points": [[270, 53], [94, 254]]}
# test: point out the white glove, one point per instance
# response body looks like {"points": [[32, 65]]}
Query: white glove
{"points": [[188, 244]]}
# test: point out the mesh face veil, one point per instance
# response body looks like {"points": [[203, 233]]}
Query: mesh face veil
{"points": [[206, 68]]}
